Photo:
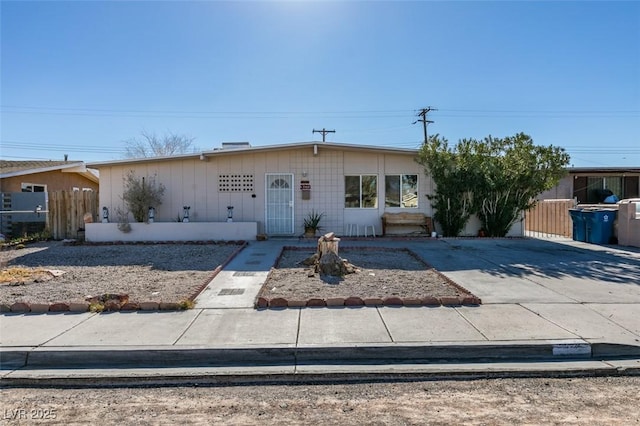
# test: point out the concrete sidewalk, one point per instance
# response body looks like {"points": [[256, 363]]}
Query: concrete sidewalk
{"points": [[573, 304]]}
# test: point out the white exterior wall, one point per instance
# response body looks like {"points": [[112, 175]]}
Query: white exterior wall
{"points": [[473, 226], [194, 182], [172, 231]]}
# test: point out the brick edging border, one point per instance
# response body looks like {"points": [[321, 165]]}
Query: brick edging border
{"points": [[469, 299], [118, 302], [280, 302]]}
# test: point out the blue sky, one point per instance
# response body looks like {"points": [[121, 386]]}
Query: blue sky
{"points": [[80, 78]]}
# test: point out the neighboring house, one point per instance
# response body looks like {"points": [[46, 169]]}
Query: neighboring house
{"points": [[277, 186], [46, 176], [589, 185], [24, 189]]}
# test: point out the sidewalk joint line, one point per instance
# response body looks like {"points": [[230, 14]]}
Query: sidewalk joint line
{"points": [[93, 314], [187, 327], [385, 325], [553, 322], [586, 304], [295, 350], [472, 324]]}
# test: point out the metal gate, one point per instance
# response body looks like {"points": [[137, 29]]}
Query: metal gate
{"points": [[279, 208]]}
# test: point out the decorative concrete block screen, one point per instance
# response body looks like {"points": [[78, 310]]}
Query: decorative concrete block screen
{"points": [[235, 183]]}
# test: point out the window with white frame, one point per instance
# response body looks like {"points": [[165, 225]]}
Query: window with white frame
{"points": [[361, 191], [401, 191], [33, 187]]}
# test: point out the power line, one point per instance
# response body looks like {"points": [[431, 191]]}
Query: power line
{"points": [[388, 113], [31, 146]]}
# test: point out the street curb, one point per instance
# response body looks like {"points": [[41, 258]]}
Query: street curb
{"points": [[176, 357]]}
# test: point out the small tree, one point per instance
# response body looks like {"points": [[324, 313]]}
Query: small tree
{"points": [[151, 145], [452, 200], [510, 173], [496, 179], [141, 193]]}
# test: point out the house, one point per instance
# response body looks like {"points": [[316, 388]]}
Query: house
{"points": [[589, 185], [240, 191], [24, 189], [46, 176]]}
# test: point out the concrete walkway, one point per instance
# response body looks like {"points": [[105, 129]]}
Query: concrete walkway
{"points": [[563, 303]]}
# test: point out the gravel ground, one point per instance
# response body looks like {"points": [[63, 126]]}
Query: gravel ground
{"points": [[583, 401], [173, 272], [147, 273], [382, 272]]}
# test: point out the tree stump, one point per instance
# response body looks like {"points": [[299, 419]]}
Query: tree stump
{"points": [[326, 260], [328, 243]]}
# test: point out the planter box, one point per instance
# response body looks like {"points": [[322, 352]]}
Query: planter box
{"points": [[173, 231]]}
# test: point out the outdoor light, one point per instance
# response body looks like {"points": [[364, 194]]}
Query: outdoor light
{"points": [[229, 213], [185, 213], [105, 215], [38, 209], [152, 214]]}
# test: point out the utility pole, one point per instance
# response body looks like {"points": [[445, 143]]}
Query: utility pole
{"points": [[423, 119], [324, 132]]}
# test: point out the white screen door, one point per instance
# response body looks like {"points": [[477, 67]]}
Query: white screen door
{"points": [[279, 219]]}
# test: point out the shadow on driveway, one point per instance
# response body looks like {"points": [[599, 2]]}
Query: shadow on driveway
{"points": [[531, 257]]}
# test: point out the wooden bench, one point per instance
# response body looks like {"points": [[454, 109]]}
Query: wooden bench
{"points": [[407, 219]]}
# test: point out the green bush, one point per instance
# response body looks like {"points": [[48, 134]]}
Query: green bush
{"points": [[141, 193]]}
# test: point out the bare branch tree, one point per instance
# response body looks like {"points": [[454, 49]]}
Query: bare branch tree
{"points": [[151, 145]]}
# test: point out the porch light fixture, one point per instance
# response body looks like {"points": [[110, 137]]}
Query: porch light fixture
{"points": [[229, 213], [185, 213], [105, 215], [315, 149], [152, 214]]}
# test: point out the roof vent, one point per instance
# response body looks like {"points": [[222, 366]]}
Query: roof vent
{"points": [[235, 145]]}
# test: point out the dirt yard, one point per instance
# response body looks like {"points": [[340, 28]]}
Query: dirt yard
{"points": [[381, 273], [147, 273], [53, 272], [584, 401]]}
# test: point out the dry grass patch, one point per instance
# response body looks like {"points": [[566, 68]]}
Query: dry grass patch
{"points": [[21, 275]]}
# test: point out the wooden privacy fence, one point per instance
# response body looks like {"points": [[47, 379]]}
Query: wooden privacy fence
{"points": [[67, 210], [549, 218]]}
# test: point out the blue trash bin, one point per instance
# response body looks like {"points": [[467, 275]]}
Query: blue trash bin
{"points": [[600, 226], [579, 226]]}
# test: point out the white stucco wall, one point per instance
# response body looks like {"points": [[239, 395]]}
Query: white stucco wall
{"points": [[195, 182], [172, 231]]}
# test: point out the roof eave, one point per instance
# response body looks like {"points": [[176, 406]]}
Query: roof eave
{"points": [[62, 167], [253, 149]]}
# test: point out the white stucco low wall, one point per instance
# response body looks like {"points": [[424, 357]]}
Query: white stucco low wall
{"points": [[173, 231]]}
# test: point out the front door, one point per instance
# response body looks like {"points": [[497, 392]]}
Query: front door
{"points": [[279, 217]]}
